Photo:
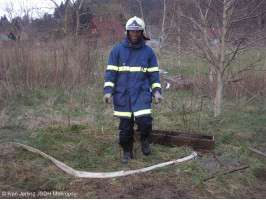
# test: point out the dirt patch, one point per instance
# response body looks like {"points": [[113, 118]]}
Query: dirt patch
{"points": [[142, 186], [6, 152], [154, 186], [261, 174], [6, 149], [155, 190]]}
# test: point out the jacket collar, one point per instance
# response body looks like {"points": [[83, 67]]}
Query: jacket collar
{"points": [[127, 44]]}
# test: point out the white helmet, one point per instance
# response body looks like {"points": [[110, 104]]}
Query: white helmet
{"points": [[138, 24]]}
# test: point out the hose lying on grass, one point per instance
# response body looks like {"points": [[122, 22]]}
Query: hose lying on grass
{"points": [[83, 174]]}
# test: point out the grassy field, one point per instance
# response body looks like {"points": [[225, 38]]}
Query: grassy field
{"points": [[77, 129]]}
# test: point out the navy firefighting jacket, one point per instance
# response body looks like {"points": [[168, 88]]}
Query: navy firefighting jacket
{"points": [[132, 76]]}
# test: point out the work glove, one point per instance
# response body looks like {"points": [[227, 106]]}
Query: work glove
{"points": [[107, 98], [158, 97]]}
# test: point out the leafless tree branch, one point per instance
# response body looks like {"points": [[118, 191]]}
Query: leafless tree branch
{"points": [[248, 67]]}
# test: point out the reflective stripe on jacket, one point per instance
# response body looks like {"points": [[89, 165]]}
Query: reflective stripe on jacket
{"points": [[132, 76]]}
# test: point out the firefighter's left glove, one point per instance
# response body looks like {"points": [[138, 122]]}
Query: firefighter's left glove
{"points": [[158, 97], [107, 98]]}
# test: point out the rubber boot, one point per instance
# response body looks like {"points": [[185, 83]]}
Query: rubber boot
{"points": [[127, 146], [145, 145]]}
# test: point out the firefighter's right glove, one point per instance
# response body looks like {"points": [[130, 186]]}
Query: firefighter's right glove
{"points": [[158, 97], [107, 98]]}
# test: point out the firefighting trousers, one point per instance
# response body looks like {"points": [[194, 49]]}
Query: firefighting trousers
{"points": [[126, 127]]}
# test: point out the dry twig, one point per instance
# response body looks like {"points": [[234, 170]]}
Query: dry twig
{"points": [[257, 152], [227, 172]]}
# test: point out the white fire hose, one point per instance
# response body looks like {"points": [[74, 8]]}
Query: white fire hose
{"points": [[83, 174]]}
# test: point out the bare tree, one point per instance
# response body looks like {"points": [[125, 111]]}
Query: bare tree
{"points": [[9, 9], [178, 33], [203, 13], [25, 13], [27, 9], [140, 7], [64, 17], [70, 16], [224, 27], [165, 30], [78, 6]]}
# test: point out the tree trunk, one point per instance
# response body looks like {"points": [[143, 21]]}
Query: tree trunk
{"points": [[77, 24], [179, 34], [140, 6], [161, 39], [159, 56], [66, 17], [220, 72], [219, 94], [79, 6]]}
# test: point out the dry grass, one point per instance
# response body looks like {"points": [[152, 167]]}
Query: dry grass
{"points": [[62, 64]]}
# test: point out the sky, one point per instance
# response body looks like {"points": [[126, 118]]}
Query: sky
{"points": [[37, 7]]}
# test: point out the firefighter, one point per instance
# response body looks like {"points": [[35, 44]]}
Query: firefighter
{"points": [[132, 79]]}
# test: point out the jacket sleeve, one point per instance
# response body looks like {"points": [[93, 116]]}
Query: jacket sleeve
{"points": [[153, 73], [111, 72]]}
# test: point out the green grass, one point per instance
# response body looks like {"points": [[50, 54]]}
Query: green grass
{"points": [[84, 146], [90, 142]]}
